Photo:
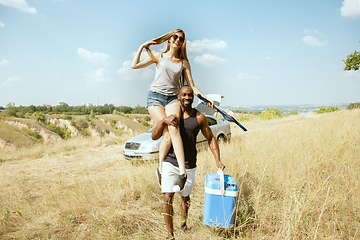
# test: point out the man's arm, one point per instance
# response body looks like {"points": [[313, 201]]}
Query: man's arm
{"points": [[159, 128], [214, 147]]}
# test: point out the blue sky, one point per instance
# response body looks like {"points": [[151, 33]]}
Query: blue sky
{"points": [[251, 52]]}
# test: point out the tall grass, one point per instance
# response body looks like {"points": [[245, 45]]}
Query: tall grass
{"points": [[299, 179]]}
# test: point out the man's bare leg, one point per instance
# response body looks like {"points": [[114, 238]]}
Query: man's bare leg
{"points": [[168, 212], [185, 205]]}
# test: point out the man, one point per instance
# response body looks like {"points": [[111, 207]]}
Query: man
{"points": [[190, 123]]}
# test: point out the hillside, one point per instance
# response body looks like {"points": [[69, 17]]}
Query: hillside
{"points": [[17, 132], [299, 179]]}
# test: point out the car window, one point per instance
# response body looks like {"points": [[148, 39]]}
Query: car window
{"points": [[211, 121]]}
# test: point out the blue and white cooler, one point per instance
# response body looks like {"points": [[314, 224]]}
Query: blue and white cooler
{"points": [[220, 200]]}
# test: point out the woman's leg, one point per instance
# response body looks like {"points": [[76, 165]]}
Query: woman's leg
{"points": [[174, 108], [157, 113]]}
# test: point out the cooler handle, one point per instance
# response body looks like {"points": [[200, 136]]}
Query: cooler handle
{"points": [[222, 185]]}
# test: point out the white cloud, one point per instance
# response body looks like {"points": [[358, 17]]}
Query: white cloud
{"points": [[209, 44], [242, 77], [127, 73], [208, 60], [19, 4], [4, 62], [99, 75], [95, 57], [350, 9], [2, 24], [267, 58], [11, 81], [313, 41], [313, 32]]}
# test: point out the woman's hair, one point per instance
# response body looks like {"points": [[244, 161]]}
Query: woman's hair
{"points": [[165, 37]]}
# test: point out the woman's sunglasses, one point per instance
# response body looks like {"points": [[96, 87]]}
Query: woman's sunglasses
{"points": [[181, 39]]}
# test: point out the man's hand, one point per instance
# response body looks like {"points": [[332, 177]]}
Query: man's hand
{"points": [[220, 165], [157, 131], [172, 120]]}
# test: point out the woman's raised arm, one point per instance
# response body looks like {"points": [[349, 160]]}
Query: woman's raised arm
{"points": [[137, 64]]}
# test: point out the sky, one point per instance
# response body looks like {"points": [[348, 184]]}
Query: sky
{"points": [[252, 52]]}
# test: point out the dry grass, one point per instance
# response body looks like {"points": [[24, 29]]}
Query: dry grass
{"points": [[299, 178]]}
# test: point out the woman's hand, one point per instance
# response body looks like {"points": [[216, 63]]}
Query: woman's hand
{"points": [[210, 104], [148, 43]]}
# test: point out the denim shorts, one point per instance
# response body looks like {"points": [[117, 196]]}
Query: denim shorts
{"points": [[158, 99]]}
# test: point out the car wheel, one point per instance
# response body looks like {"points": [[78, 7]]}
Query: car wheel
{"points": [[221, 139]]}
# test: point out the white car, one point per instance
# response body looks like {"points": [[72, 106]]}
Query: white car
{"points": [[142, 147]]}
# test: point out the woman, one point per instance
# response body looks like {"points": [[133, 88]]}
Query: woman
{"points": [[162, 97]]}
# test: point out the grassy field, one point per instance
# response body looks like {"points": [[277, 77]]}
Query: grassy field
{"points": [[299, 179]]}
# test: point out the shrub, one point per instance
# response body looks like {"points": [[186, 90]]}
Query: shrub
{"points": [[73, 122], [92, 114], [147, 118], [323, 110], [62, 131], [32, 133], [66, 117], [112, 123], [11, 112], [271, 113], [39, 116], [245, 117], [292, 112], [145, 124], [82, 127], [353, 106]]}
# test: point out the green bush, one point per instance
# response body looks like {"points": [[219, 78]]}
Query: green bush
{"points": [[353, 106], [73, 122], [292, 112], [324, 110], [145, 124], [39, 116], [271, 113], [245, 117], [112, 123], [62, 131], [32, 133], [66, 117], [82, 127], [92, 114]]}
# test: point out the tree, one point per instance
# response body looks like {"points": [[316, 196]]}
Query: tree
{"points": [[10, 109], [352, 61]]}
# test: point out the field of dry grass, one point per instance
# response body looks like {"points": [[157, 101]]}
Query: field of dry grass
{"points": [[299, 179]]}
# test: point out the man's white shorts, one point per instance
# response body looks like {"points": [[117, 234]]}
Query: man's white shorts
{"points": [[170, 174]]}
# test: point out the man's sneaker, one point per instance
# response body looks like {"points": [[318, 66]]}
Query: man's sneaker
{"points": [[180, 183], [158, 174]]}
